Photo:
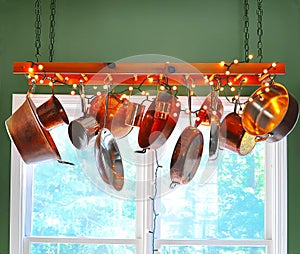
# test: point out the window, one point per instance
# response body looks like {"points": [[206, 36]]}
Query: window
{"points": [[238, 208]]}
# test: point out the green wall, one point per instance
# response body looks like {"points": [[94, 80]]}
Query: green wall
{"points": [[191, 30]]}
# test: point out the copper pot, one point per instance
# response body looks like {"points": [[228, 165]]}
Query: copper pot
{"points": [[159, 121], [271, 110], [234, 137], [116, 114], [52, 114], [186, 156], [31, 139]]}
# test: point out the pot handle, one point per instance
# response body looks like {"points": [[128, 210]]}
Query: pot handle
{"points": [[261, 138]]}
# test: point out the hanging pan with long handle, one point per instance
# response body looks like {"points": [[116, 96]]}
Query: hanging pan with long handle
{"points": [[107, 155], [187, 152]]}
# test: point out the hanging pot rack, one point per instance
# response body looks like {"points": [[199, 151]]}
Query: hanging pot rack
{"points": [[95, 73]]}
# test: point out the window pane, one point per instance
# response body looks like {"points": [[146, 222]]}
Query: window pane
{"points": [[44, 248], [230, 205], [74, 201], [213, 250]]}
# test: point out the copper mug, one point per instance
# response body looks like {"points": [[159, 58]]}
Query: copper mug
{"points": [[82, 130], [52, 114]]}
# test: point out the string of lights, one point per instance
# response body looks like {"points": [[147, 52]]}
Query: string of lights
{"points": [[153, 199]]}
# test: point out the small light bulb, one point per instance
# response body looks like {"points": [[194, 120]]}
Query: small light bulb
{"points": [[227, 72], [222, 63], [267, 89], [95, 87], [205, 107], [240, 112], [214, 112], [72, 92], [187, 111], [193, 85], [130, 89], [162, 88], [74, 86], [265, 71], [174, 88], [30, 70], [235, 61], [250, 56], [245, 79], [232, 89], [175, 115], [105, 87], [143, 92], [66, 78], [274, 65], [221, 88], [177, 104], [41, 81], [150, 79], [36, 76], [40, 67], [211, 83], [147, 93], [267, 84], [230, 83], [250, 99], [28, 76], [98, 93], [192, 93], [261, 98], [236, 97], [50, 83]]}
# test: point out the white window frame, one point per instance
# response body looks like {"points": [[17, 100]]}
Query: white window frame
{"points": [[276, 201]]}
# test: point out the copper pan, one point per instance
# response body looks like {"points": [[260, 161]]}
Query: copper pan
{"points": [[159, 121], [270, 111], [31, 139], [186, 156]]}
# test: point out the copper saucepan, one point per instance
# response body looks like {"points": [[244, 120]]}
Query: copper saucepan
{"points": [[271, 110], [234, 137], [52, 114], [159, 121], [32, 140]]}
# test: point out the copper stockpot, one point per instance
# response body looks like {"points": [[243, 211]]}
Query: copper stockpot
{"points": [[31, 139], [159, 121], [272, 111]]}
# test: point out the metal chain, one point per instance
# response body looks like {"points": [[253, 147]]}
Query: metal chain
{"points": [[52, 32], [38, 28], [246, 30], [259, 13]]}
